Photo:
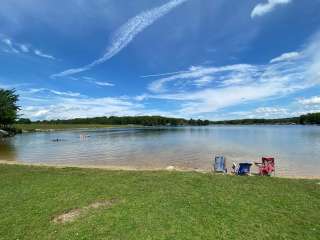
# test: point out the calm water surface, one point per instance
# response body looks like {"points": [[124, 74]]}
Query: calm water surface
{"points": [[296, 148]]}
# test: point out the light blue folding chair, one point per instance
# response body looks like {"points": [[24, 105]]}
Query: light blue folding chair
{"points": [[219, 164]]}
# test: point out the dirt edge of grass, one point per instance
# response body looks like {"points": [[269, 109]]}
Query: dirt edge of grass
{"points": [[74, 214]]}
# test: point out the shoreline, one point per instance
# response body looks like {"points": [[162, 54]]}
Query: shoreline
{"points": [[43, 128], [135, 169], [105, 167]]}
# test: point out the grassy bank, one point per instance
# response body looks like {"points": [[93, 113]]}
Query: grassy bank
{"points": [[155, 205], [47, 127]]}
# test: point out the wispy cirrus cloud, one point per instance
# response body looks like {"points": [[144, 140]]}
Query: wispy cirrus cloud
{"points": [[264, 8], [9, 45], [44, 55], [163, 74], [103, 84], [126, 34], [46, 90], [98, 83], [24, 48], [21, 48], [92, 80]]}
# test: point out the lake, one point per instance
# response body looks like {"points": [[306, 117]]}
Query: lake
{"points": [[296, 148]]}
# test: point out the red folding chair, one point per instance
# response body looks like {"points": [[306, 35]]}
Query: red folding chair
{"points": [[267, 166]]}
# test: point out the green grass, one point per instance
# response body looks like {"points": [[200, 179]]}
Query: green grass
{"points": [[156, 205], [45, 127]]}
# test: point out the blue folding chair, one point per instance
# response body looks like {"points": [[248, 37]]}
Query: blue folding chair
{"points": [[220, 164], [244, 169]]}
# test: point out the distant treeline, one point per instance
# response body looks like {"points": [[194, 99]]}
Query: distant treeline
{"points": [[137, 120], [312, 118]]}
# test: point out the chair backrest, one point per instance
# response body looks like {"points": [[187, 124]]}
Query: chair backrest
{"points": [[219, 164], [244, 168], [268, 161]]}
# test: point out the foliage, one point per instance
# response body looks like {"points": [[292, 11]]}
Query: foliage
{"points": [[23, 121], [156, 205], [251, 121], [311, 118], [136, 120], [8, 107]]}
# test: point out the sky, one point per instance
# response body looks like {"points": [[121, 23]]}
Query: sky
{"points": [[208, 59]]}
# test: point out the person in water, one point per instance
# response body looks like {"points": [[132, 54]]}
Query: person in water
{"points": [[57, 140]]}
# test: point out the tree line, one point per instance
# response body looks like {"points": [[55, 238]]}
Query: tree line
{"points": [[9, 115], [311, 118], [127, 120]]}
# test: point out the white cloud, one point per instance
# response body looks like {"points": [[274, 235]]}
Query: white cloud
{"points": [[286, 57], [60, 105], [7, 41], [126, 34], [67, 108], [264, 8], [70, 94], [163, 74], [233, 85], [195, 75], [10, 46], [203, 81], [234, 81], [37, 112], [310, 101], [98, 83], [87, 78], [59, 93], [271, 111], [24, 48], [211, 100], [103, 84], [262, 112], [141, 97], [19, 48], [44, 55]]}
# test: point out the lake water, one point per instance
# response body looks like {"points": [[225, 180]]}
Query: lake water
{"points": [[296, 148]]}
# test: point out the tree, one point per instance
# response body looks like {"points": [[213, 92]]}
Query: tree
{"points": [[8, 107], [24, 121]]}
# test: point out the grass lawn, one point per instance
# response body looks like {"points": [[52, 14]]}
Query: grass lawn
{"points": [[155, 205], [43, 127]]}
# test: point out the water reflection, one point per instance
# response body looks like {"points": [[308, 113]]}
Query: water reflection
{"points": [[7, 150]]}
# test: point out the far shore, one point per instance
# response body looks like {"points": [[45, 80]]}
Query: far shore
{"points": [[136, 169], [41, 127], [35, 127]]}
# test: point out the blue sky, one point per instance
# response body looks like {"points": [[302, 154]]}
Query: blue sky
{"points": [[210, 59]]}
